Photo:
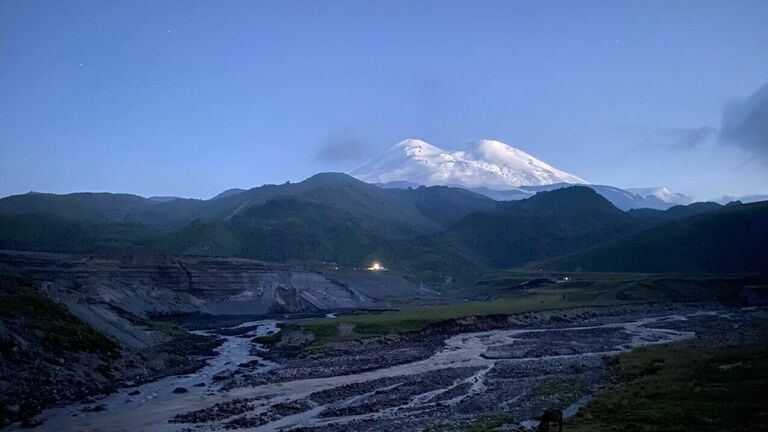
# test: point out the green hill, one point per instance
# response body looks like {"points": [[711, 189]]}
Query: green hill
{"points": [[733, 239], [438, 230], [94, 207], [200, 237], [546, 225], [45, 232], [328, 217], [675, 212], [446, 205], [340, 191], [281, 230]]}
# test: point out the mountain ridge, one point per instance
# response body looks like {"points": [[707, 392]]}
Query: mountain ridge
{"points": [[730, 239], [335, 218]]}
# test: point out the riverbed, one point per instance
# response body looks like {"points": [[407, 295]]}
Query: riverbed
{"points": [[517, 371]]}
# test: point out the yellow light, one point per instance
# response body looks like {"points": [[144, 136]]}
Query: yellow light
{"points": [[375, 267]]}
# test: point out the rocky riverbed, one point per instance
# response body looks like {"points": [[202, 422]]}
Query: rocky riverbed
{"points": [[124, 409], [448, 381]]}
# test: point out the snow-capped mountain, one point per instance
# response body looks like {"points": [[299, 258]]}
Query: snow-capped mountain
{"points": [[494, 169], [485, 163], [746, 199], [624, 199], [661, 194]]}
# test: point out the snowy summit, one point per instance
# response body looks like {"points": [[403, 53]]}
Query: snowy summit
{"points": [[484, 163]]}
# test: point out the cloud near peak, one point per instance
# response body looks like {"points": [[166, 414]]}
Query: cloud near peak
{"points": [[341, 146], [688, 138], [745, 123]]}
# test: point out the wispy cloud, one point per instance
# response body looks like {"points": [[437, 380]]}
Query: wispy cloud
{"points": [[342, 146], [689, 138], [745, 123]]}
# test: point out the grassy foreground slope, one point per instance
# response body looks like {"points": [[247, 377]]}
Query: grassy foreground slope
{"points": [[682, 387]]}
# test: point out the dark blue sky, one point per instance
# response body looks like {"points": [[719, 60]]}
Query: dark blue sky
{"points": [[190, 98]]}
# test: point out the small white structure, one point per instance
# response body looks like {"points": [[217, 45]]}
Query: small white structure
{"points": [[376, 266]]}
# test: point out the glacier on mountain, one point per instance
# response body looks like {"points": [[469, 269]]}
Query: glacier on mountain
{"points": [[494, 169], [483, 163]]}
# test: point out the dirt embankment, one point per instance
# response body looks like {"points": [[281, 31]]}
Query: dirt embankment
{"points": [[163, 284], [48, 355]]}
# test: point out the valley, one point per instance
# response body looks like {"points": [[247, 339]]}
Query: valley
{"points": [[510, 373], [333, 305]]}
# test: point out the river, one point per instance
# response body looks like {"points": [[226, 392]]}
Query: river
{"points": [[477, 353]]}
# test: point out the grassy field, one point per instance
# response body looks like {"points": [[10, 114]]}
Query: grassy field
{"points": [[682, 387], [582, 289], [356, 326]]}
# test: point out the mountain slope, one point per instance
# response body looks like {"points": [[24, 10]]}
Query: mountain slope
{"points": [[547, 225], [328, 217], [621, 198], [334, 217], [732, 239], [624, 199], [94, 207], [445, 205], [676, 212], [341, 223], [289, 229], [200, 238], [338, 190], [484, 163], [283, 229], [46, 232]]}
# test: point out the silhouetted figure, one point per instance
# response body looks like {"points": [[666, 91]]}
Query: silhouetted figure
{"points": [[551, 415]]}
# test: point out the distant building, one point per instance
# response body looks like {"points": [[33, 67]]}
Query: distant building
{"points": [[376, 266]]}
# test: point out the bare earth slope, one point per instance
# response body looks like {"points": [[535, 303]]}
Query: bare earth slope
{"points": [[106, 292]]}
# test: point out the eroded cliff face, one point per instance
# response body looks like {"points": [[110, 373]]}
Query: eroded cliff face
{"points": [[49, 355], [172, 284], [73, 325], [113, 294]]}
